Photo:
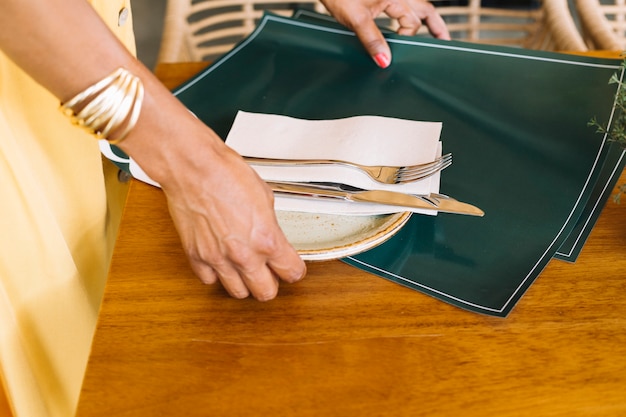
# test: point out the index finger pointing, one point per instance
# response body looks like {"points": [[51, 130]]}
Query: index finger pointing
{"points": [[374, 42]]}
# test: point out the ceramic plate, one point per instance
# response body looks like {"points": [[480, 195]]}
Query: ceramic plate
{"points": [[320, 237]]}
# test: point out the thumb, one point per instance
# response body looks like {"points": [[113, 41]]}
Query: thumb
{"points": [[375, 44]]}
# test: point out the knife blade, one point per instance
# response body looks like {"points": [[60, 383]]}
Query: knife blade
{"points": [[433, 201]]}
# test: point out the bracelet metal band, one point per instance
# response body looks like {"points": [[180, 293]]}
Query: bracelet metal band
{"points": [[108, 109]]}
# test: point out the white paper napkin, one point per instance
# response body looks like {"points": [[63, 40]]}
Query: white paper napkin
{"points": [[369, 140]]}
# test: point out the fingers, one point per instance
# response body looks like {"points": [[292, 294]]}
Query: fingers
{"points": [[359, 15], [231, 282], [242, 276], [252, 263], [411, 14], [434, 22], [373, 41], [210, 267], [285, 262], [258, 267], [409, 20]]}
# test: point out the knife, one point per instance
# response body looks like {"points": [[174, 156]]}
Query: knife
{"points": [[433, 201]]}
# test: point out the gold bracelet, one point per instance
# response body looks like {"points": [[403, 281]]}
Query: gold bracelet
{"points": [[110, 107]]}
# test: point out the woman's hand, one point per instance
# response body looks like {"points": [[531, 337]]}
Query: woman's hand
{"points": [[222, 209], [359, 15], [224, 214]]}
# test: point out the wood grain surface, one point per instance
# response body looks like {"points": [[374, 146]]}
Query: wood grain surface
{"points": [[346, 343]]}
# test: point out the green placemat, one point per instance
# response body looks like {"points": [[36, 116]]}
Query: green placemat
{"points": [[515, 120], [611, 170], [612, 167]]}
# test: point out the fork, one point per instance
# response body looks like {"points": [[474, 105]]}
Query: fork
{"points": [[380, 173]]}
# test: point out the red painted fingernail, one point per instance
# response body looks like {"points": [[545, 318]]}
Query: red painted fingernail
{"points": [[382, 60]]}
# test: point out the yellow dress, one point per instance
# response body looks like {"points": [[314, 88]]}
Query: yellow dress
{"points": [[57, 228]]}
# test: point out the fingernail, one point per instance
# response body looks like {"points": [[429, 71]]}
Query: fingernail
{"points": [[296, 275], [382, 60]]}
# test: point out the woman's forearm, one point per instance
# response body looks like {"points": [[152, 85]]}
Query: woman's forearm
{"points": [[65, 46], [221, 208], [62, 44]]}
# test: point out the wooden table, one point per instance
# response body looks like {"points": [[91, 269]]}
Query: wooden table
{"points": [[346, 343]]}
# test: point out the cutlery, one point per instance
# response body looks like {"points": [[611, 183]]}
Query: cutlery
{"points": [[380, 173], [433, 201]]}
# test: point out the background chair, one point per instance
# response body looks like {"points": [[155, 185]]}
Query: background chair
{"points": [[205, 29], [544, 25], [603, 23]]}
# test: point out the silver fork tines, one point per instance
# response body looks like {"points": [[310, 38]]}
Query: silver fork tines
{"points": [[380, 173]]}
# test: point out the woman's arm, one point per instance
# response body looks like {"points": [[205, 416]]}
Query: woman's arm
{"points": [[223, 211]]}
